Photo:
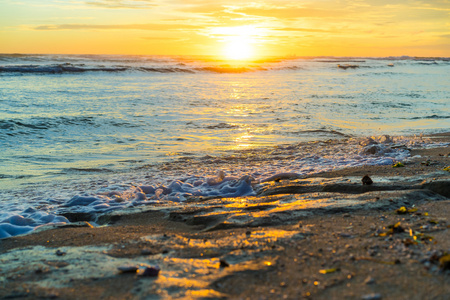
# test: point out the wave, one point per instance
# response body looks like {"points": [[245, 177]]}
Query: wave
{"points": [[71, 68], [318, 133], [165, 70], [5, 176], [13, 127], [86, 170], [437, 117], [58, 69], [75, 64], [222, 126], [68, 68], [45, 123]]}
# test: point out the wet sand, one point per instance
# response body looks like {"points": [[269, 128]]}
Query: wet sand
{"points": [[322, 237]]}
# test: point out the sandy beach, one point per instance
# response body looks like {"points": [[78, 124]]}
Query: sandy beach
{"points": [[327, 236], [199, 149]]}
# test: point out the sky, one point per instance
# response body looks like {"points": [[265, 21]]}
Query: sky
{"points": [[234, 29]]}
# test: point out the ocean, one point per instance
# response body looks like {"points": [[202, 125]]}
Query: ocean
{"points": [[96, 133]]}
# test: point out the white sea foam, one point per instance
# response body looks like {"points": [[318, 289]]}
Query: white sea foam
{"points": [[12, 224], [233, 175]]}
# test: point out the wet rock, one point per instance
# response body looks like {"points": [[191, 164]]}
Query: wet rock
{"points": [[151, 271], [60, 253], [366, 180]]}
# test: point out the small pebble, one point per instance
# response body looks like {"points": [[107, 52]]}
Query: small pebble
{"points": [[372, 297], [150, 271], [369, 280], [146, 252], [366, 180], [224, 263], [346, 235], [128, 268]]}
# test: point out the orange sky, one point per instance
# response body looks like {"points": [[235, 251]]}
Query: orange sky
{"points": [[227, 28]]}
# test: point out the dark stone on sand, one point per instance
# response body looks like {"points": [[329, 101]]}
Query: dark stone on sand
{"points": [[151, 271], [366, 180], [224, 263]]}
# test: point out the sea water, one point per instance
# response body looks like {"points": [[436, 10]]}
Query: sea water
{"points": [[91, 133]]}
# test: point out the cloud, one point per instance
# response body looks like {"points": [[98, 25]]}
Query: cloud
{"points": [[209, 8], [289, 12], [301, 29], [155, 38], [118, 27], [131, 4]]}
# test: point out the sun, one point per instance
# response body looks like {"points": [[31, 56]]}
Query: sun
{"points": [[238, 48], [238, 42]]}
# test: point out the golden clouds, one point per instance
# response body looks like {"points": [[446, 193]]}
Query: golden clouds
{"points": [[319, 27], [122, 4], [156, 27]]}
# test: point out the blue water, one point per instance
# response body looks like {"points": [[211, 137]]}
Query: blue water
{"points": [[107, 113]]}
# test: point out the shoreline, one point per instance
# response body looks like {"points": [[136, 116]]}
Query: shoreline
{"points": [[325, 236]]}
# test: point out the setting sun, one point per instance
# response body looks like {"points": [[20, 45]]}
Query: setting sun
{"points": [[238, 48], [238, 41]]}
